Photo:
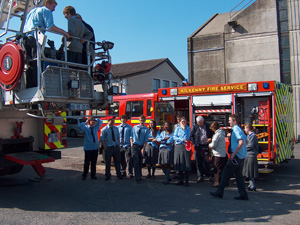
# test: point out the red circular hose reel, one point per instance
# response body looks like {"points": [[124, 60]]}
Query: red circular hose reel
{"points": [[12, 63]]}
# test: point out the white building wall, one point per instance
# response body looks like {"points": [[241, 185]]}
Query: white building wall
{"points": [[254, 58], [144, 83], [252, 47]]}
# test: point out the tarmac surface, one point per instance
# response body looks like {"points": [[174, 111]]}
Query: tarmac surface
{"points": [[67, 199]]}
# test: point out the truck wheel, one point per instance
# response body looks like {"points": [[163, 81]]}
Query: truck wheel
{"points": [[11, 170], [73, 133], [16, 169]]}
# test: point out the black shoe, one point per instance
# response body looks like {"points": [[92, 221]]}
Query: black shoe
{"points": [[83, 178], [138, 180], [215, 194], [180, 183], [94, 178], [153, 176], [241, 198], [251, 189], [123, 174], [120, 177], [201, 179], [148, 176], [107, 178], [131, 176]]}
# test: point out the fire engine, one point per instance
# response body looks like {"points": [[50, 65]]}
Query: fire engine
{"points": [[33, 119], [268, 105], [134, 106]]}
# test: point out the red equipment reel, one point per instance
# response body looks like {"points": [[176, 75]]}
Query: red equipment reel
{"points": [[12, 65]]}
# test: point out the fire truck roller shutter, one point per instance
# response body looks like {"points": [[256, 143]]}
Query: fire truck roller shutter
{"points": [[212, 100]]}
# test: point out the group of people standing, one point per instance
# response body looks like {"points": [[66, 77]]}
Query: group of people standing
{"points": [[77, 34], [130, 147]]}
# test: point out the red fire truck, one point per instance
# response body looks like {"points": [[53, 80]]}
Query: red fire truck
{"points": [[135, 105], [268, 105]]}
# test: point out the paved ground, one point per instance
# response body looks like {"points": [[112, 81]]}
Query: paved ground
{"points": [[69, 200]]}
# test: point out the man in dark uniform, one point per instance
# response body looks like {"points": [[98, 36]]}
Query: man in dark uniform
{"points": [[138, 139], [201, 136]]}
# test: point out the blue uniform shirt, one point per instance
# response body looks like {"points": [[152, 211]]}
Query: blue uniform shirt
{"points": [[166, 143], [180, 135], [142, 138], [127, 133], [154, 144], [238, 134], [106, 136], [89, 143], [38, 17]]}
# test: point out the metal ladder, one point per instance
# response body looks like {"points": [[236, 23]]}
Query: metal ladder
{"points": [[13, 8]]}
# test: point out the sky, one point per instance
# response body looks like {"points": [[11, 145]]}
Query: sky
{"points": [[145, 29]]}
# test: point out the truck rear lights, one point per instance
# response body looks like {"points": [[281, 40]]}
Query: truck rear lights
{"points": [[252, 87], [174, 91]]}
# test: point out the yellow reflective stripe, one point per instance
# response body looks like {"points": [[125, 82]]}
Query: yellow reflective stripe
{"points": [[47, 130], [262, 159], [284, 123], [138, 121]]}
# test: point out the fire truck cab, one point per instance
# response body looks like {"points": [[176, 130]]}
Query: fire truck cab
{"points": [[267, 105]]}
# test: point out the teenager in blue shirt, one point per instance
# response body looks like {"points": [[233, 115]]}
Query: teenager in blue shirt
{"points": [[151, 149], [42, 17], [235, 164], [110, 140], [166, 154], [126, 158], [91, 145], [182, 157], [138, 139], [38, 17]]}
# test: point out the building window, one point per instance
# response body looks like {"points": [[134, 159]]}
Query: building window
{"points": [[174, 84], [166, 84], [156, 84], [283, 26]]}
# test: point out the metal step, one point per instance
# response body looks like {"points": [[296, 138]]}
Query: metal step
{"points": [[29, 158], [265, 170]]}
